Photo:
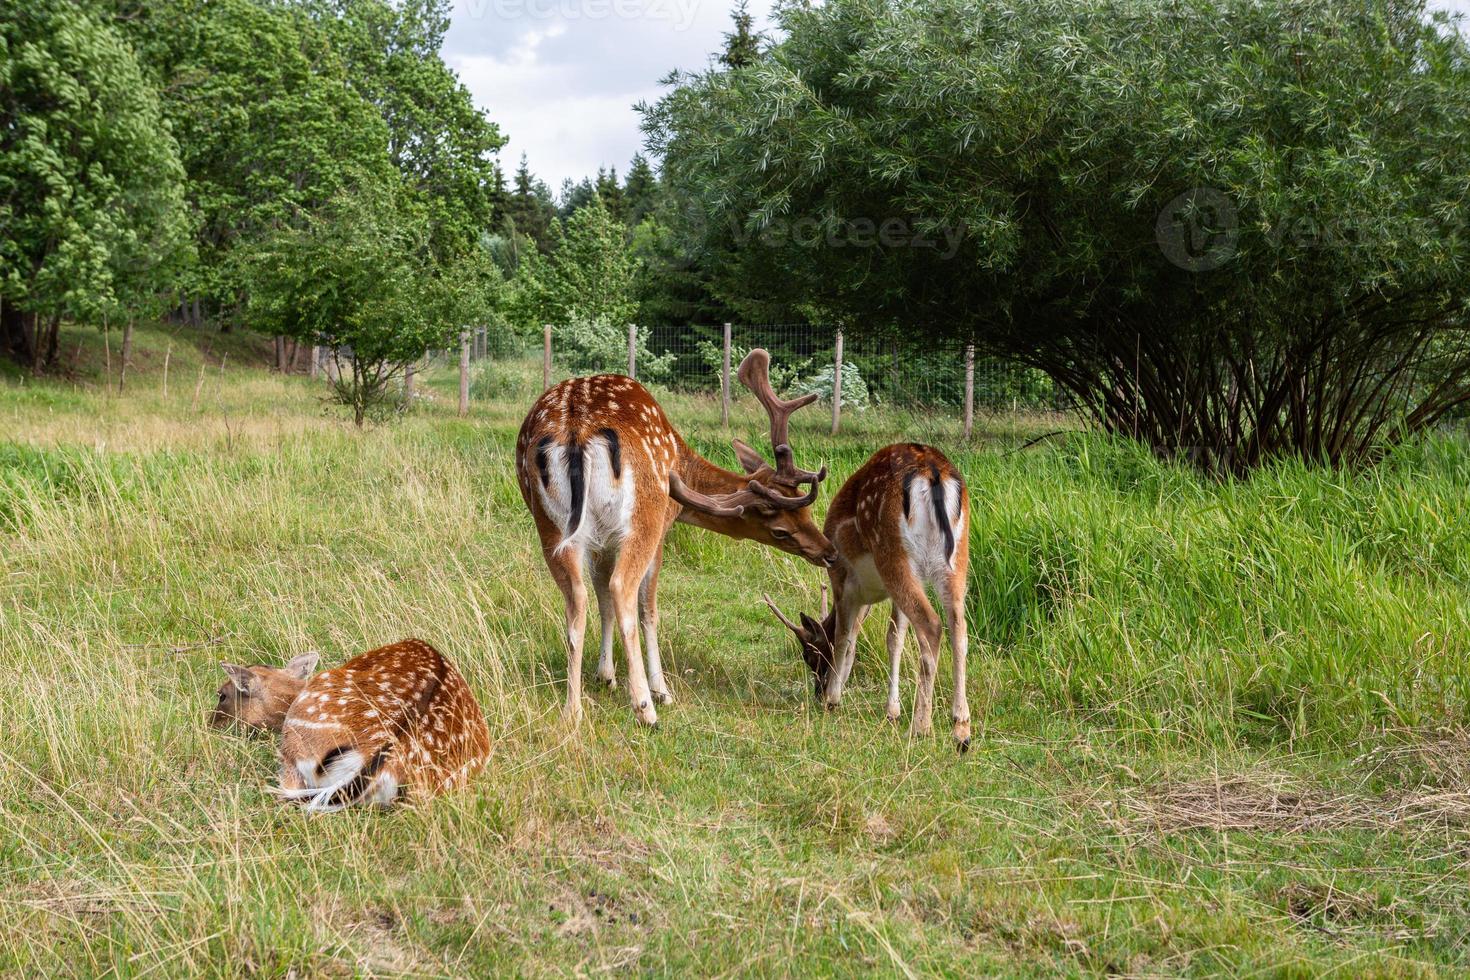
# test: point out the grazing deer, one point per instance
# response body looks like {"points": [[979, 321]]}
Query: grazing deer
{"points": [[900, 523], [393, 719], [605, 475]]}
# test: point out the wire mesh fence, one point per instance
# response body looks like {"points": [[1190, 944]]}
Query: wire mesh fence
{"points": [[892, 371], [914, 376]]}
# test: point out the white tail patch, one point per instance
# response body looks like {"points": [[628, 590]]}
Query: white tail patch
{"points": [[607, 501], [924, 538], [319, 789]]}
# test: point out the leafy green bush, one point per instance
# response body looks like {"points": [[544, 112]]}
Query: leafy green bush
{"points": [[854, 388], [590, 344]]}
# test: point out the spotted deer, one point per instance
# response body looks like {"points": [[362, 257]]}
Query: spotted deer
{"points": [[605, 476], [899, 524], [396, 719]]}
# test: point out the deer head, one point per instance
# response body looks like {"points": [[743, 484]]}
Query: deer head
{"points": [[258, 697], [771, 505], [815, 639]]}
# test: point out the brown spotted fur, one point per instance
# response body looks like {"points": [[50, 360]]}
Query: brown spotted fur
{"points": [[865, 523], [579, 410]]}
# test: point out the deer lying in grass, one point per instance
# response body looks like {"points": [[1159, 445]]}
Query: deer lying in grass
{"points": [[900, 523], [605, 475], [388, 721]]}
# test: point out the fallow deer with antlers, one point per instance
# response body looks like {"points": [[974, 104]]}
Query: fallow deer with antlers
{"points": [[605, 476], [900, 523]]}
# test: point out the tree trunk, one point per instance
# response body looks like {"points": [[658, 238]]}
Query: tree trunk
{"points": [[17, 332], [198, 314], [127, 352], [280, 354], [46, 352]]}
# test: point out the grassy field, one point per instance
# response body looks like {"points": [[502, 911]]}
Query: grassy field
{"points": [[1217, 726]]}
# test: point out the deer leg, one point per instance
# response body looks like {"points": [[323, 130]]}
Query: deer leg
{"points": [[910, 600], [898, 628], [632, 565], [566, 569], [607, 670], [850, 615], [959, 643], [648, 614]]}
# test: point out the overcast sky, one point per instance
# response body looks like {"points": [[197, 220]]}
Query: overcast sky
{"points": [[560, 77]]}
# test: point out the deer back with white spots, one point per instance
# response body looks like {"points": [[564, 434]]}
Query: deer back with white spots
{"points": [[605, 475], [900, 525]]}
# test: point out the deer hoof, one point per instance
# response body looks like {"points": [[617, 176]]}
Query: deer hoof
{"points": [[893, 712], [662, 697], [571, 715], [611, 683], [962, 734], [645, 713]]}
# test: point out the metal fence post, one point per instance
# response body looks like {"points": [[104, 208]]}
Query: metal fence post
{"points": [[725, 382], [969, 389], [464, 373], [632, 351], [546, 358], [837, 385]]}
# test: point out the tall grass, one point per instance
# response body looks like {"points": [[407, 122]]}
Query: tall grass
{"points": [[1132, 627]]}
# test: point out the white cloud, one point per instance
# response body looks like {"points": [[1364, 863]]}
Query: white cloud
{"points": [[561, 77]]}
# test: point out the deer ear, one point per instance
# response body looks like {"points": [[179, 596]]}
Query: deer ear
{"points": [[750, 460], [303, 666], [241, 677], [813, 628]]}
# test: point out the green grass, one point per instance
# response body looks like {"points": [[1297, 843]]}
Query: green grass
{"points": [[1217, 725]]}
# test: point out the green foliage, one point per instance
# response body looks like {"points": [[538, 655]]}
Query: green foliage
{"points": [[854, 388], [784, 371], [1231, 229], [359, 278], [441, 145], [590, 274], [91, 209], [589, 344]]}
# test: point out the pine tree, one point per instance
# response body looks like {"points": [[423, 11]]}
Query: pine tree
{"points": [[743, 44], [530, 207], [611, 193], [640, 190]]}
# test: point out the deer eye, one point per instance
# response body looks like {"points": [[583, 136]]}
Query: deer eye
{"points": [[779, 534]]}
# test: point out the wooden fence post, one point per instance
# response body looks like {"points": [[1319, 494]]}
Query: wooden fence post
{"points": [[464, 373], [408, 379], [969, 389], [316, 360], [633, 351], [837, 385], [546, 358], [167, 355], [725, 382], [484, 342]]}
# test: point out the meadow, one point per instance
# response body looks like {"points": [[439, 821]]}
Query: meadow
{"points": [[1218, 726]]}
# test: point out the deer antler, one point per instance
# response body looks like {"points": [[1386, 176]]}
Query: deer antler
{"points": [[755, 494], [755, 374], [780, 615]]}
